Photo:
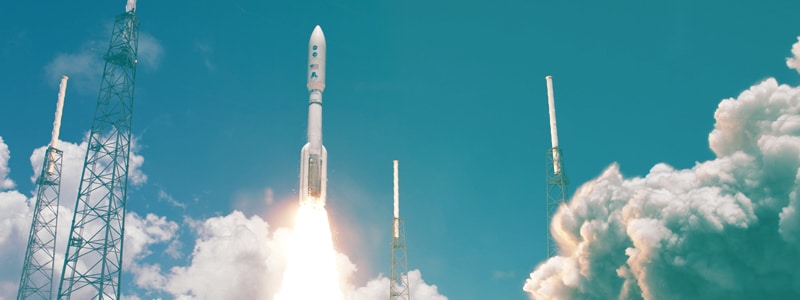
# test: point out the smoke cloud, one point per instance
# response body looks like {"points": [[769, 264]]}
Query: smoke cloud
{"points": [[727, 228]]}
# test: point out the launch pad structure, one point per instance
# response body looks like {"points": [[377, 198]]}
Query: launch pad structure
{"points": [[38, 266], [556, 180], [93, 258], [398, 283]]}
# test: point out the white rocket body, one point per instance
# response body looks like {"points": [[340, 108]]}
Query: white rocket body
{"points": [[314, 157]]}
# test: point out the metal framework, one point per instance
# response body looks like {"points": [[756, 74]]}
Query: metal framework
{"points": [[556, 193], [93, 264], [37, 270], [398, 285]]}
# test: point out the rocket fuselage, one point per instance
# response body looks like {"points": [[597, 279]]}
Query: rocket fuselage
{"points": [[314, 157]]}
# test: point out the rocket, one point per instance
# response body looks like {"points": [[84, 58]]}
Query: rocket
{"points": [[313, 157]]}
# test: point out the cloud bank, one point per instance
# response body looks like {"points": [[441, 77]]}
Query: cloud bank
{"points": [[16, 213], [727, 228], [234, 256], [238, 257]]}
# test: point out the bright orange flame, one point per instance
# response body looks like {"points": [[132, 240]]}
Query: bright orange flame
{"points": [[311, 270]]}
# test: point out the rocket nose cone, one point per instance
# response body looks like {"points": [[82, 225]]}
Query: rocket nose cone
{"points": [[317, 34]]}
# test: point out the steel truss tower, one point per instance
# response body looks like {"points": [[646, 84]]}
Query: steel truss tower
{"points": [[93, 264], [37, 270], [398, 284], [556, 193]]}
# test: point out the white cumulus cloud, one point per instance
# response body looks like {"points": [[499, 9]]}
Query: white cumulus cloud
{"points": [[794, 61], [239, 257], [16, 213], [5, 154]]}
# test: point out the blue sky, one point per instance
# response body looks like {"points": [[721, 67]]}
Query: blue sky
{"points": [[453, 90]]}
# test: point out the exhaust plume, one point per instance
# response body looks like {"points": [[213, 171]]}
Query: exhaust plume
{"points": [[727, 228]]}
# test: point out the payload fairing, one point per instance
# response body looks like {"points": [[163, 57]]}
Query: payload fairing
{"points": [[313, 157]]}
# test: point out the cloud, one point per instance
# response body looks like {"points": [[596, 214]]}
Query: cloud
{"points": [[143, 232], [206, 50], [234, 256], [163, 196], [150, 51], [229, 260], [503, 274], [5, 155], [16, 213], [727, 228], [794, 61], [378, 288], [85, 66], [239, 257]]}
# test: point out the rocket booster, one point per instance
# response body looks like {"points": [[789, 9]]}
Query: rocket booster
{"points": [[313, 157]]}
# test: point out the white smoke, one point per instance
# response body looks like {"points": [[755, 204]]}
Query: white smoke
{"points": [[727, 228], [794, 61]]}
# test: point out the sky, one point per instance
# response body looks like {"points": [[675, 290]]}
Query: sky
{"points": [[454, 90]]}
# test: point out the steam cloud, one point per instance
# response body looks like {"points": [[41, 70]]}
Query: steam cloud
{"points": [[727, 228]]}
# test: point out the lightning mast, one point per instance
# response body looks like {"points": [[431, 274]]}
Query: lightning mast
{"points": [[93, 259], [36, 281], [556, 179], [398, 284]]}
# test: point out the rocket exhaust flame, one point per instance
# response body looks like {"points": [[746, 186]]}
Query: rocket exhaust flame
{"points": [[311, 269]]}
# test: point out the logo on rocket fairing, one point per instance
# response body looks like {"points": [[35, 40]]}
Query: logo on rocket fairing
{"points": [[314, 67]]}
